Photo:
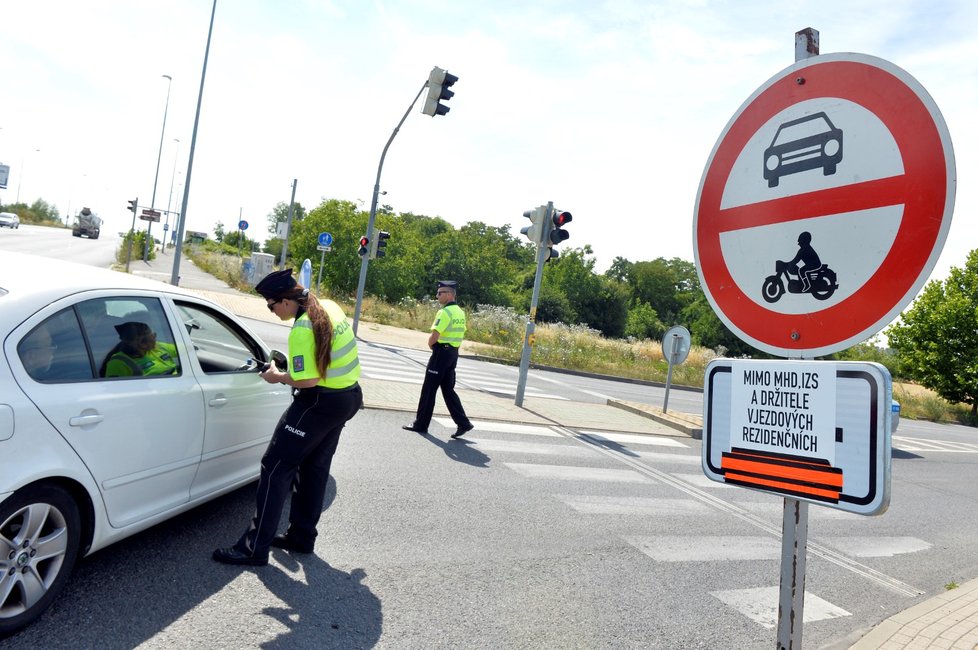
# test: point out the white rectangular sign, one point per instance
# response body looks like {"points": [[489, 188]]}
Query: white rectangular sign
{"points": [[783, 407], [812, 430]]}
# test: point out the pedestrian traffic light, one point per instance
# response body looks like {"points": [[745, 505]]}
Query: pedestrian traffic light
{"points": [[438, 83], [379, 243], [364, 246], [132, 205], [537, 217]]}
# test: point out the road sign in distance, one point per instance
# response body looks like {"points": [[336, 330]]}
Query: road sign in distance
{"points": [[676, 344], [325, 239], [242, 225]]}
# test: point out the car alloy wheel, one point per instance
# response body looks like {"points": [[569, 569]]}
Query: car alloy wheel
{"points": [[39, 542]]}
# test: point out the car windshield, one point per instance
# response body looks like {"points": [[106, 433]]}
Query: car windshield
{"points": [[814, 125]]}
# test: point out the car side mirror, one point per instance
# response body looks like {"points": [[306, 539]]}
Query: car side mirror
{"points": [[280, 360]]}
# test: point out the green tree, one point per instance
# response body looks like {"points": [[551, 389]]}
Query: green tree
{"points": [[280, 214], [668, 286], [937, 338], [644, 323]]}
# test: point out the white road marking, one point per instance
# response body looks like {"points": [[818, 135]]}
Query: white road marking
{"points": [[919, 444], [573, 473], [636, 439], [700, 481], [876, 546], [686, 548], [504, 427], [645, 506], [488, 444], [761, 605]]}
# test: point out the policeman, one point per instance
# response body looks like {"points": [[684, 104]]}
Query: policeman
{"points": [[138, 353], [447, 334], [323, 371]]}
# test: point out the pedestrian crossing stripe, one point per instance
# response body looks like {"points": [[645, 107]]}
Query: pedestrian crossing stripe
{"points": [[577, 473], [761, 605]]}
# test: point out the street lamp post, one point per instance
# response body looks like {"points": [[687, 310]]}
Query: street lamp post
{"points": [[20, 175], [152, 203], [169, 201], [175, 274]]}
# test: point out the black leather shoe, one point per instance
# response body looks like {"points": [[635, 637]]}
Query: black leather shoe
{"points": [[461, 431], [411, 427], [231, 555], [283, 541]]}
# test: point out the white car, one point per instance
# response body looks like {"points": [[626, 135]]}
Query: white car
{"points": [[88, 458], [9, 220]]}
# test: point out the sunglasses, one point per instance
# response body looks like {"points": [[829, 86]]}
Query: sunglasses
{"points": [[271, 305]]}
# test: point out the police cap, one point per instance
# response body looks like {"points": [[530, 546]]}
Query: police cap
{"points": [[276, 284], [132, 330], [448, 284]]}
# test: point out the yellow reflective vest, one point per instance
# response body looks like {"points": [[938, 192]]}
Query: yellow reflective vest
{"points": [[344, 363]]}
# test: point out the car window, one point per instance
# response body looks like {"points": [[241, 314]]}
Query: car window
{"points": [[219, 343], [799, 129], [55, 351], [130, 337]]}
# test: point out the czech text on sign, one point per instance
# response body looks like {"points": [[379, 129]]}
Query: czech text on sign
{"points": [[150, 215], [812, 430], [824, 205]]}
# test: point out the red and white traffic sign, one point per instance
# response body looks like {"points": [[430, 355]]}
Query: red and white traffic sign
{"points": [[824, 205]]}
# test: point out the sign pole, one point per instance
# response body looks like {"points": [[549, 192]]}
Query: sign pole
{"points": [[672, 360], [322, 260], [794, 525]]}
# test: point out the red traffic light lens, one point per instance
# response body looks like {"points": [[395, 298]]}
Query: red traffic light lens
{"points": [[364, 241], [562, 218]]}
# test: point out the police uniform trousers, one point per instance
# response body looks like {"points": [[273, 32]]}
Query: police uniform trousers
{"points": [[440, 373], [298, 458]]}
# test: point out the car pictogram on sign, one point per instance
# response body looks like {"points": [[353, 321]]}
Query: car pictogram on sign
{"points": [[810, 142]]}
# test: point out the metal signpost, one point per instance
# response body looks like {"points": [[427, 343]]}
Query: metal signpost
{"points": [[821, 212], [675, 348]]}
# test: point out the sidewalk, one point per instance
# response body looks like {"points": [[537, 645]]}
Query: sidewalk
{"points": [[947, 620]]}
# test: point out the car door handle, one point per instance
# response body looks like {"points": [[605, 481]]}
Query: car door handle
{"points": [[220, 400], [85, 420]]}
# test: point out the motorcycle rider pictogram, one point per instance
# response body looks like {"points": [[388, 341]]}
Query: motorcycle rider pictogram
{"points": [[811, 277]]}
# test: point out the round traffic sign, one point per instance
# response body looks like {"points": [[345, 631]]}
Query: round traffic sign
{"points": [[675, 344], [824, 205], [242, 225], [325, 239]]}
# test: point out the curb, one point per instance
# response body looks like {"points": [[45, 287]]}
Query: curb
{"points": [[688, 424]]}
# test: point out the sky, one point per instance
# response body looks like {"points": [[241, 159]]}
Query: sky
{"points": [[608, 108]]}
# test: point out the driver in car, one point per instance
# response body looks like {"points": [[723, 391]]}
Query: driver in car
{"points": [[138, 353]]}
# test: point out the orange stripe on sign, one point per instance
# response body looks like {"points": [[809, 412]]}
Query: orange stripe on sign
{"points": [[800, 474], [796, 475], [782, 487]]}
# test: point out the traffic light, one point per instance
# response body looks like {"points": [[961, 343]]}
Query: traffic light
{"points": [[379, 243], [556, 232], [438, 83], [132, 205], [537, 217], [364, 246]]}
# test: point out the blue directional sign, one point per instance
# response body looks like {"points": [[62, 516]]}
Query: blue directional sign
{"points": [[325, 239], [242, 225]]}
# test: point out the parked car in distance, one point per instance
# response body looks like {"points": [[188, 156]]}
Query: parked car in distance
{"points": [[9, 220], [96, 443]]}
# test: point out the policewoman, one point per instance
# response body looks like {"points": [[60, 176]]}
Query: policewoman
{"points": [[323, 371], [447, 334]]}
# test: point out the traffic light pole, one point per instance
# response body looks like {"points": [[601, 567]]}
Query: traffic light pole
{"points": [[535, 298], [373, 212]]}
